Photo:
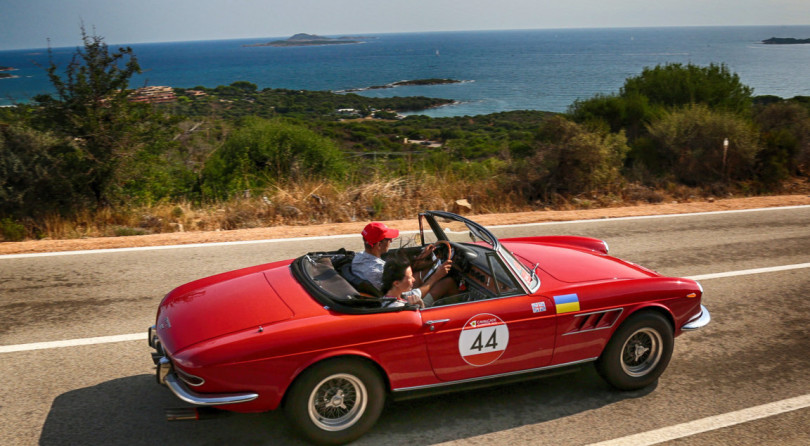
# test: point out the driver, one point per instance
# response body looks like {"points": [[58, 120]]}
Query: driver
{"points": [[368, 264]]}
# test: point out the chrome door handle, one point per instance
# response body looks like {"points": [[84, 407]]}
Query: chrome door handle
{"points": [[432, 324]]}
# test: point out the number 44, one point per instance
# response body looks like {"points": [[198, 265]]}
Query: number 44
{"points": [[492, 342]]}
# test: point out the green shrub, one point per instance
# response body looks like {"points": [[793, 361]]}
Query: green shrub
{"points": [[11, 230], [690, 144], [261, 152], [37, 173], [571, 159], [785, 137]]}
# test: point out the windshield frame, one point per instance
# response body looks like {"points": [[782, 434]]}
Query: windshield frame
{"points": [[525, 276]]}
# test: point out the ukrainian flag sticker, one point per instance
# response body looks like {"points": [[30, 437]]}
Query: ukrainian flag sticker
{"points": [[566, 303]]}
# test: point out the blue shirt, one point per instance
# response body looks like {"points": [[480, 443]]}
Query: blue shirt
{"points": [[368, 267]]}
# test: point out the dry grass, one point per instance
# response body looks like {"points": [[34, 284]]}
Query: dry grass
{"points": [[320, 202]]}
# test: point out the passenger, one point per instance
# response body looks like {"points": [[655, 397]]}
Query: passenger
{"points": [[368, 264], [398, 284]]}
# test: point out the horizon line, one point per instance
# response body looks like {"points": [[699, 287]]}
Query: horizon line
{"points": [[370, 34]]}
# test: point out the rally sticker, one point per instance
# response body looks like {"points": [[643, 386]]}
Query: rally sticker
{"points": [[483, 339]]}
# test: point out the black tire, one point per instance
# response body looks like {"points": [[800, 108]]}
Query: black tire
{"points": [[335, 401], [638, 353]]}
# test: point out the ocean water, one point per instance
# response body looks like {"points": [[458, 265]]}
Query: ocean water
{"points": [[502, 70]]}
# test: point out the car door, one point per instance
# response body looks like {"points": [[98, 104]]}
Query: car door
{"points": [[489, 337]]}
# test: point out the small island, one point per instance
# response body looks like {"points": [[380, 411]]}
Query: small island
{"points": [[418, 82], [4, 72], [302, 39], [784, 41]]}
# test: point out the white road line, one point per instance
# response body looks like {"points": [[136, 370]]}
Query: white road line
{"points": [[746, 272], [644, 217], [280, 240], [157, 248], [73, 342], [710, 423]]}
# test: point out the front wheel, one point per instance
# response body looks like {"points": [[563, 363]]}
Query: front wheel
{"points": [[335, 401], [638, 352]]}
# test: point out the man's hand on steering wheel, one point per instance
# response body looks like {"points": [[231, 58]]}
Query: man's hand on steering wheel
{"points": [[437, 264]]}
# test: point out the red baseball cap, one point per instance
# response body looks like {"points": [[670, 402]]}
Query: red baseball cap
{"points": [[375, 232]]}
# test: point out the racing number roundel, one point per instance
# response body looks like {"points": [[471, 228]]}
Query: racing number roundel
{"points": [[483, 339]]}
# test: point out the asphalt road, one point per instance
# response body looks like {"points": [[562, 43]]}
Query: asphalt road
{"points": [[754, 353]]}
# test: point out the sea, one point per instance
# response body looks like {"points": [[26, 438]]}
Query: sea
{"points": [[543, 69]]}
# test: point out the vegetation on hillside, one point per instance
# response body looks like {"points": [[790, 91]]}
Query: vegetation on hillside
{"points": [[90, 161]]}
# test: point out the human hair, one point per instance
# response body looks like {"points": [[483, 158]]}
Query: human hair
{"points": [[393, 271]]}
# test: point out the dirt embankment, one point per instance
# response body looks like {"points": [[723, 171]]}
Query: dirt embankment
{"points": [[182, 238]]}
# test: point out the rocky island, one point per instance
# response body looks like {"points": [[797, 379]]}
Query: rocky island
{"points": [[420, 82], [302, 39], [4, 72], [784, 41]]}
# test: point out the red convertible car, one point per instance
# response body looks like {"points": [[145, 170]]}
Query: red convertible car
{"points": [[307, 336]]}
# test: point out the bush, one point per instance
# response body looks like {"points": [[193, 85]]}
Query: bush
{"points": [[630, 112], [37, 175], [690, 144], [571, 159], [11, 230], [785, 137], [262, 152]]}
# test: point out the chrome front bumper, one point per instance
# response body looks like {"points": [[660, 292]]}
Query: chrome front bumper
{"points": [[701, 320], [168, 377]]}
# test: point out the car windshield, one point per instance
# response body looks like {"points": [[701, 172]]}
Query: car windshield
{"points": [[460, 230]]}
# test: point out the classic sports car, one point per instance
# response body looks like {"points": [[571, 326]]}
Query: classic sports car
{"points": [[308, 336]]}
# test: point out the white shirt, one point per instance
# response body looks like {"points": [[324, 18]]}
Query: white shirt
{"points": [[401, 301]]}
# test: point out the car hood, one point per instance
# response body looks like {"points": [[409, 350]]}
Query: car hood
{"points": [[575, 266], [216, 306]]}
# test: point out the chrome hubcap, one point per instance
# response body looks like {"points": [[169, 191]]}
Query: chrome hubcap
{"points": [[641, 352]]}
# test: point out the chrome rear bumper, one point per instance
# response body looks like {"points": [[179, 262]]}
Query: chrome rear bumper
{"points": [[701, 320], [167, 376], [211, 399]]}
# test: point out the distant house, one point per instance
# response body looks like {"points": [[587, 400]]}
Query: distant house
{"points": [[196, 93], [348, 112], [423, 142], [153, 95]]}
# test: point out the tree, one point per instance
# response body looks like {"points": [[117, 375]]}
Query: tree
{"points": [[676, 85], [643, 98], [91, 108]]}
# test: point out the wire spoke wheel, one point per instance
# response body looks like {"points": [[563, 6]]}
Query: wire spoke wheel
{"points": [[638, 353], [337, 402], [641, 352]]}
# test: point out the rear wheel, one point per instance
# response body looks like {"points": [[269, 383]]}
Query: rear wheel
{"points": [[336, 401], [638, 353]]}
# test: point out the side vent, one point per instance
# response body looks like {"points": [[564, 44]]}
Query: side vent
{"points": [[599, 320]]}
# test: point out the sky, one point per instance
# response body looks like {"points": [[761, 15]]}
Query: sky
{"points": [[31, 23]]}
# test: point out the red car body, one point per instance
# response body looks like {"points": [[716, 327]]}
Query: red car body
{"points": [[241, 340]]}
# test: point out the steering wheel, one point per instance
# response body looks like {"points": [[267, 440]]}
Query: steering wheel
{"points": [[436, 264]]}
